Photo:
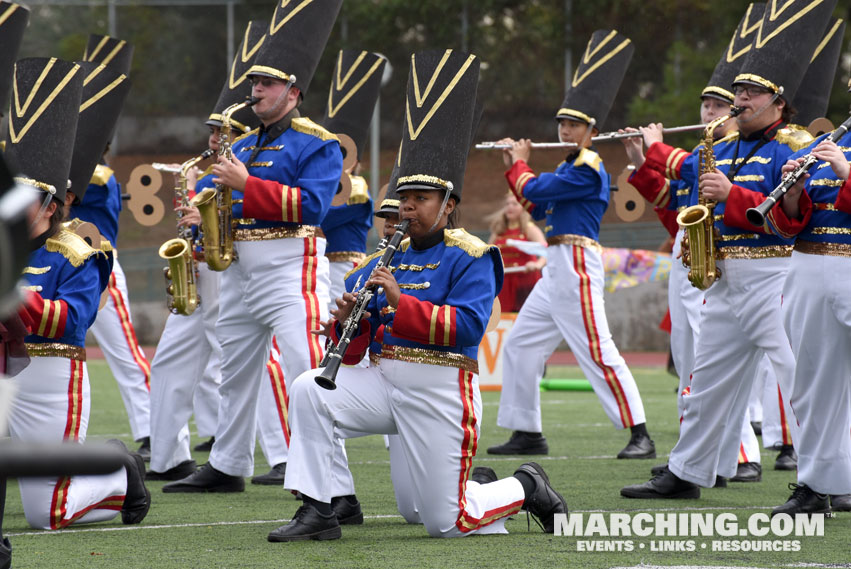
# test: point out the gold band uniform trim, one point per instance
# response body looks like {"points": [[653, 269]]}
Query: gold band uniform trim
{"points": [[430, 357], [56, 350]]}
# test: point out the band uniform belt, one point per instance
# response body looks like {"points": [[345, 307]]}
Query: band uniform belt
{"points": [[579, 240], [56, 350], [431, 357], [269, 233], [821, 248]]}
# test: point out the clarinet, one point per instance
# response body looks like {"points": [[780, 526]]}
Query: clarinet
{"points": [[335, 354], [756, 215]]}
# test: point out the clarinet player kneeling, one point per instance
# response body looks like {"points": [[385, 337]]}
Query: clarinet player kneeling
{"points": [[434, 301]]}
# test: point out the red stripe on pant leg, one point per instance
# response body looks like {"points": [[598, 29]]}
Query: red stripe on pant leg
{"points": [[129, 331], [114, 503], [784, 426], [309, 272], [279, 391], [587, 305], [58, 502], [74, 413], [743, 456]]}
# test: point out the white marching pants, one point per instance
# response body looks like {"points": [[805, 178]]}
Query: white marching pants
{"points": [[53, 403], [435, 411], [272, 288], [566, 303], [114, 332], [338, 270], [205, 402], [740, 322], [774, 405], [187, 352], [273, 429], [817, 314]]}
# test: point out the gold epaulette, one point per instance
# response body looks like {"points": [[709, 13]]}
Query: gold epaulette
{"points": [[106, 246], [470, 244], [101, 175], [71, 246], [729, 137], [360, 191], [307, 126], [589, 158], [364, 262], [794, 136], [241, 136]]}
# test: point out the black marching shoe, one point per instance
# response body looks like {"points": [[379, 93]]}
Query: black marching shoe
{"points": [[658, 469], [207, 479], [840, 502], [483, 475], [274, 477], [5, 554], [137, 497], [144, 449], [748, 472], [308, 523], [665, 485], [206, 446], [348, 512], [522, 442], [639, 446], [720, 482], [757, 428], [544, 502], [787, 459], [804, 500], [179, 472]]}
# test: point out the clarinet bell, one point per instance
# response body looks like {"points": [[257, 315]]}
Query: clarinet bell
{"points": [[325, 379]]}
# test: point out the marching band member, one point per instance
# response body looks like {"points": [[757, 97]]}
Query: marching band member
{"points": [[685, 300], [183, 361], [817, 316], [113, 329], [741, 319], [355, 86], [434, 309], [65, 278], [283, 177], [567, 303]]}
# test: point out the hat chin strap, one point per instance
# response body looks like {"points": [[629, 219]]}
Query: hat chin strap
{"points": [[762, 108], [449, 188], [281, 100], [41, 210]]}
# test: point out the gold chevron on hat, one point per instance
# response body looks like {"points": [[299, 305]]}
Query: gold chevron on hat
{"points": [[103, 92], [10, 9], [248, 51], [775, 10], [106, 59], [338, 84], [598, 57], [275, 26], [751, 24], [420, 96], [19, 111]]}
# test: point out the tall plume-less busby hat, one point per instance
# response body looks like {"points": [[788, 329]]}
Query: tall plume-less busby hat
{"points": [[784, 45], [813, 98], [355, 85], [597, 78], [296, 39], [13, 22], [113, 52], [104, 92], [43, 121], [440, 112], [720, 84], [390, 202], [237, 87]]}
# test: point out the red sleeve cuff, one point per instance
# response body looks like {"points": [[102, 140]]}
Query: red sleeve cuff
{"points": [[271, 201], [738, 203], [786, 227], [518, 176], [357, 346], [665, 159], [44, 317], [424, 322], [651, 185], [843, 199]]}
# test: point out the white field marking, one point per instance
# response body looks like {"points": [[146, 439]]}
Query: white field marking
{"points": [[396, 516], [512, 458], [166, 526], [642, 566]]}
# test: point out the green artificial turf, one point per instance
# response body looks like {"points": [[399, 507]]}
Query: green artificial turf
{"points": [[229, 530]]}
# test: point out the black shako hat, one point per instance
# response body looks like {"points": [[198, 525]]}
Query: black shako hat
{"points": [[784, 44], [355, 85], [104, 92], [390, 203], [811, 102], [296, 39], [237, 87], [720, 84], [43, 121], [597, 78], [440, 113], [13, 21], [115, 53]]}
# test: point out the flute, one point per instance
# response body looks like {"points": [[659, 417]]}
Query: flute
{"points": [[599, 138]]}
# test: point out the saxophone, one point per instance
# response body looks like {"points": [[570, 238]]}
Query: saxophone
{"points": [[181, 273], [217, 216], [698, 221]]}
